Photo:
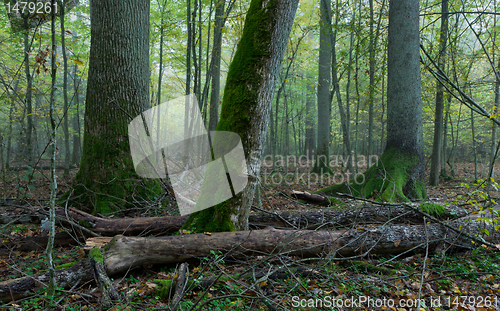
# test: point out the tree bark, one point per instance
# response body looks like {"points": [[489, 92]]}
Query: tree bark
{"points": [[371, 88], [28, 99], [246, 104], [399, 173], [322, 159], [124, 252], [438, 117], [215, 63], [301, 219], [117, 91], [76, 120], [67, 151], [310, 142]]}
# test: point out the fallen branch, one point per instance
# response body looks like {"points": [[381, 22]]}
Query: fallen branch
{"points": [[12, 290]]}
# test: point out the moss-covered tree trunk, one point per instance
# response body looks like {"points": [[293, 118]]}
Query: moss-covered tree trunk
{"points": [[117, 91], [399, 173], [247, 102]]}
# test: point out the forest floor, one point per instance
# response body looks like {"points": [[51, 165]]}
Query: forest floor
{"points": [[459, 279]]}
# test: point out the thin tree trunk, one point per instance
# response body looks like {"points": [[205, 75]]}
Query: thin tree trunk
{"points": [[194, 58], [160, 69], [371, 88], [216, 56], [444, 155], [382, 116], [474, 147], [76, 119], [208, 69], [309, 121], [346, 116], [11, 121], [188, 51], [29, 88], [67, 154], [200, 38], [438, 117], [53, 182]]}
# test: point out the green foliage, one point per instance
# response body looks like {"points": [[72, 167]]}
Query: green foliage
{"points": [[483, 203]]}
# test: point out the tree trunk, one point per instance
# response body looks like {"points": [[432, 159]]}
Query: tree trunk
{"points": [[399, 173], [371, 87], [117, 91], [345, 116], [438, 117], [29, 88], [188, 48], [494, 131], [246, 104], [76, 118], [67, 151], [310, 142], [322, 159], [11, 121], [216, 55]]}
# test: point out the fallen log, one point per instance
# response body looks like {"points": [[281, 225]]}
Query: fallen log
{"points": [[12, 290], [125, 226], [124, 253], [297, 219]]}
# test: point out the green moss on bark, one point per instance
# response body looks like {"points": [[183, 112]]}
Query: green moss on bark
{"points": [[432, 208], [107, 181], [391, 179], [214, 219], [245, 78], [96, 254]]}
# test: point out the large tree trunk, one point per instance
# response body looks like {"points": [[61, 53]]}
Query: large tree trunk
{"points": [[438, 121], [117, 91], [246, 104], [322, 159], [124, 253], [399, 173]]}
